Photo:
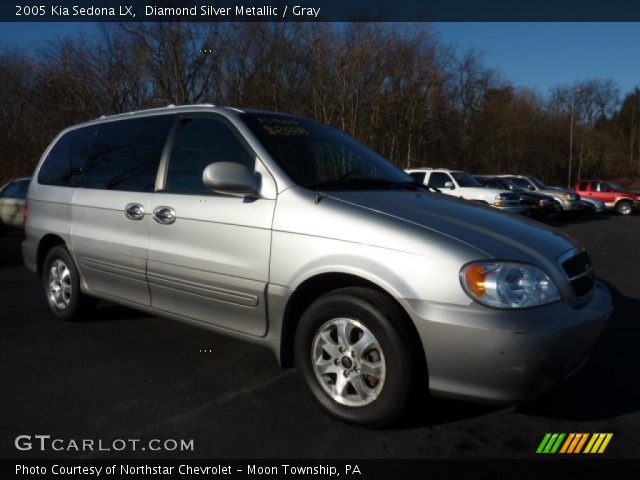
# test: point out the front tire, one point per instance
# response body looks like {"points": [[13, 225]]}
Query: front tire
{"points": [[61, 283], [624, 208], [355, 355]]}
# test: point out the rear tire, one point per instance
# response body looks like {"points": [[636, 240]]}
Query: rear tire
{"points": [[353, 351], [61, 283], [624, 208]]}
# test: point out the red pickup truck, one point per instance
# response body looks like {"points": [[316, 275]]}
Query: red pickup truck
{"points": [[614, 196]]}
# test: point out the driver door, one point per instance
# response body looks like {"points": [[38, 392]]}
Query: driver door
{"points": [[604, 192]]}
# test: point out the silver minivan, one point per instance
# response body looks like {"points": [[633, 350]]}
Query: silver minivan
{"points": [[284, 232]]}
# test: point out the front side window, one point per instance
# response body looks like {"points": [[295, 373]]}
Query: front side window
{"points": [[316, 156], [465, 180], [438, 179], [602, 187], [125, 154], [538, 183], [521, 183], [200, 141]]}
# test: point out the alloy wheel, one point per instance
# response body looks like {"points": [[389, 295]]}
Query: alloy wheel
{"points": [[348, 362], [60, 289]]}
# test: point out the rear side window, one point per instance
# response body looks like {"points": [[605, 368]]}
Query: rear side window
{"points": [[438, 179], [583, 186], [198, 142], [67, 157], [125, 154]]}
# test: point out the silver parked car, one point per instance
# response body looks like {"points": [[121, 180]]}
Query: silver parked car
{"points": [[285, 232], [566, 198]]}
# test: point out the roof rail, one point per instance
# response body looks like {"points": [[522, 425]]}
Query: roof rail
{"points": [[171, 106]]}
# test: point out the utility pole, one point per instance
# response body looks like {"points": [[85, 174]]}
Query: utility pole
{"points": [[573, 111]]}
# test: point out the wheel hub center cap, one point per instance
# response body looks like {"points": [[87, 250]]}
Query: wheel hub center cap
{"points": [[346, 362]]}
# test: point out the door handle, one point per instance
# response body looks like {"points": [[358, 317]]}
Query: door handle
{"points": [[134, 211], [164, 215]]}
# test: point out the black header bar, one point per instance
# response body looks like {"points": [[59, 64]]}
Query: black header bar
{"points": [[320, 11]]}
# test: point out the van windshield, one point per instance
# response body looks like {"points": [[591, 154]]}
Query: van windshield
{"points": [[316, 156]]}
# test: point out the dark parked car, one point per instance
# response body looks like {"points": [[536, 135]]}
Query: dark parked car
{"points": [[535, 204]]}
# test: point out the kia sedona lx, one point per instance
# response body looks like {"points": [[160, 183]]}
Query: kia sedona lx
{"points": [[285, 232]]}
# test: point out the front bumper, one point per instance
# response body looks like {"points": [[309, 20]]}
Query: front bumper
{"points": [[510, 208], [506, 356], [569, 205]]}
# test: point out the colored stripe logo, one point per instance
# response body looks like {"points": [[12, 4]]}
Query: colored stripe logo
{"points": [[574, 443]]}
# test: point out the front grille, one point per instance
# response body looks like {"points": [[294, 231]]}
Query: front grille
{"points": [[511, 200], [580, 272]]}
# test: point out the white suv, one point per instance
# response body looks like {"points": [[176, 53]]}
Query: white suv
{"points": [[461, 184]]}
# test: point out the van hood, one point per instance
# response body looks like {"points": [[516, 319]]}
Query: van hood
{"points": [[498, 234]]}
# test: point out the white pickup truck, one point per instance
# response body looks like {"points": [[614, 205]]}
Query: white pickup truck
{"points": [[461, 184]]}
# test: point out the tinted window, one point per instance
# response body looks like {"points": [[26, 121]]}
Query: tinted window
{"points": [[16, 190], [521, 183], [317, 156], [418, 176], [199, 142], [537, 182], [64, 163], [493, 183], [602, 187], [583, 186], [438, 179], [465, 180], [126, 154]]}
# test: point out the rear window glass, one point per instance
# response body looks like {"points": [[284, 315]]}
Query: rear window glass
{"points": [[67, 157], [16, 189]]}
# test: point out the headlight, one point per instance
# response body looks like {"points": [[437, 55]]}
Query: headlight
{"points": [[501, 200], [507, 284]]}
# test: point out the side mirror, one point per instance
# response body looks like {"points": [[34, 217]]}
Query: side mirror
{"points": [[449, 185], [531, 187], [231, 179]]}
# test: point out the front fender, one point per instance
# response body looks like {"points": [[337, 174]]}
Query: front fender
{"points": [[297, 258]]}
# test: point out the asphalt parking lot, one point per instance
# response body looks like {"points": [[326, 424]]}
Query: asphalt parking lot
{"points": [[125, 374]]}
